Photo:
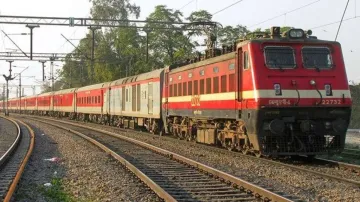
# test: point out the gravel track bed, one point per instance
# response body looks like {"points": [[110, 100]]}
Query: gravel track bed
{"points": [[8, 134], [352, 140], [86, 172], [307, 186]]}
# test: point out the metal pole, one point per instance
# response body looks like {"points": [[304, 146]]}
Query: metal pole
{"points": [[147, 47], [20, 90], [31, 27], [3, 98], [91, 76], [43, 69], [31, 42], [92, 54], [7, 98], [52, 75]]}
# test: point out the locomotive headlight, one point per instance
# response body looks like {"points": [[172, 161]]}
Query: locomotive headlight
{"points": [[328, 89], [277, 89], [296, 33], [328, 125], [312, 82]]}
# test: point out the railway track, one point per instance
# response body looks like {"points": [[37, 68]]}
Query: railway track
{"points": [[171, 176], [19, 146], [302, 164], [351, 153], [317, 166]]}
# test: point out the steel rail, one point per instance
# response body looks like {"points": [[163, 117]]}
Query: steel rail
{"points": [[294, 167], [21, 169], [236, 182], [8, 153]]}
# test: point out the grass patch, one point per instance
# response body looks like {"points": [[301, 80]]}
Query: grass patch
{"points": [[56, 192]]}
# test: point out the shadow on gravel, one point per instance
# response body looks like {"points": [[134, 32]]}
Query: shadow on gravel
{"points": [[42, 178]]}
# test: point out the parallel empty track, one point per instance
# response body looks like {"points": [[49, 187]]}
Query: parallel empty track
{"points": [[171, 176], [13, 160]]}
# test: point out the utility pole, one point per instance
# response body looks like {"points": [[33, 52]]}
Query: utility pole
{"points": [[3, 97], [8, 78], [93, 29], [20, 90], [43, 68], [31, 27], [52, 75]]}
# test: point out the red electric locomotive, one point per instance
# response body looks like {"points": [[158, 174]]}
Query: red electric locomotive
{"points": [[277, 94]]}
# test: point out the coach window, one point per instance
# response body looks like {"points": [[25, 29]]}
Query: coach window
{"points": [[216, 84], [171, 90], [184, 89], [99, 98], [179, 89], [127, 95], [208, 86], [96, 100], [231, 82], [223, 83], [175, 90], [196, 87], [202, 86], [190, 88], [246, 61]]}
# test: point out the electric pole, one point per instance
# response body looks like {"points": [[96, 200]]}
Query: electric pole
{"points": [[3, 97], [93, 29], [31, 27], [8, 78], [43, 69]]}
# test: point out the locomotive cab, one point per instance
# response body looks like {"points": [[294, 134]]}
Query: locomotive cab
{"points": [[293, 94]]}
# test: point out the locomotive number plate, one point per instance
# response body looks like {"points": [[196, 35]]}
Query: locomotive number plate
{"points": [[331, 102], [279, 102]]}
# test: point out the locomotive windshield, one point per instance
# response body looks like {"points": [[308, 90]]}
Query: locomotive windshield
{"points": [[316, 57], [279, 57]]}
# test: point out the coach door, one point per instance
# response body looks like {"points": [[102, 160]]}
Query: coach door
{"points": [[150, 98]]}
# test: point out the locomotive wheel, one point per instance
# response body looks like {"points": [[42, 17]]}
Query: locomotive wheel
{"points": [[245, 151], [257, 154]]}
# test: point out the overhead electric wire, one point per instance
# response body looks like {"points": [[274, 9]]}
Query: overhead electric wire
{"points": [[221, 10], [342, 18], [186, 4], [331, 23], [284, 13]]}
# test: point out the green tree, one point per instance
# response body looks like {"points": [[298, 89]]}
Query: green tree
{"points": [[230, 34], [167, 43]]}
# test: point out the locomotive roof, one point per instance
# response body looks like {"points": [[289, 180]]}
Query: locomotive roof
{"points": [[204, 62]]}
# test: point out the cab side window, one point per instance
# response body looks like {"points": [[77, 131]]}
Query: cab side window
{"points": [[246, 61]]}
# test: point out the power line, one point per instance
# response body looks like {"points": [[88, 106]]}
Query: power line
{"points": [[331, 23], [186, 4], [284, 13], [227, 7], [342, 19]]}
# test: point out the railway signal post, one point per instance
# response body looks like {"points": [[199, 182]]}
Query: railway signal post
{"points": [[8, 78]]}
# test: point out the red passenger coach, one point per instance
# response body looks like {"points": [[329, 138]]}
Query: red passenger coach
{"points": [[278, 94], [45, 103], [30, 104], [89, 101], [64, 103]]}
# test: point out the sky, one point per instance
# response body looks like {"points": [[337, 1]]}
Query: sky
{"points": [[251, 13]]}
